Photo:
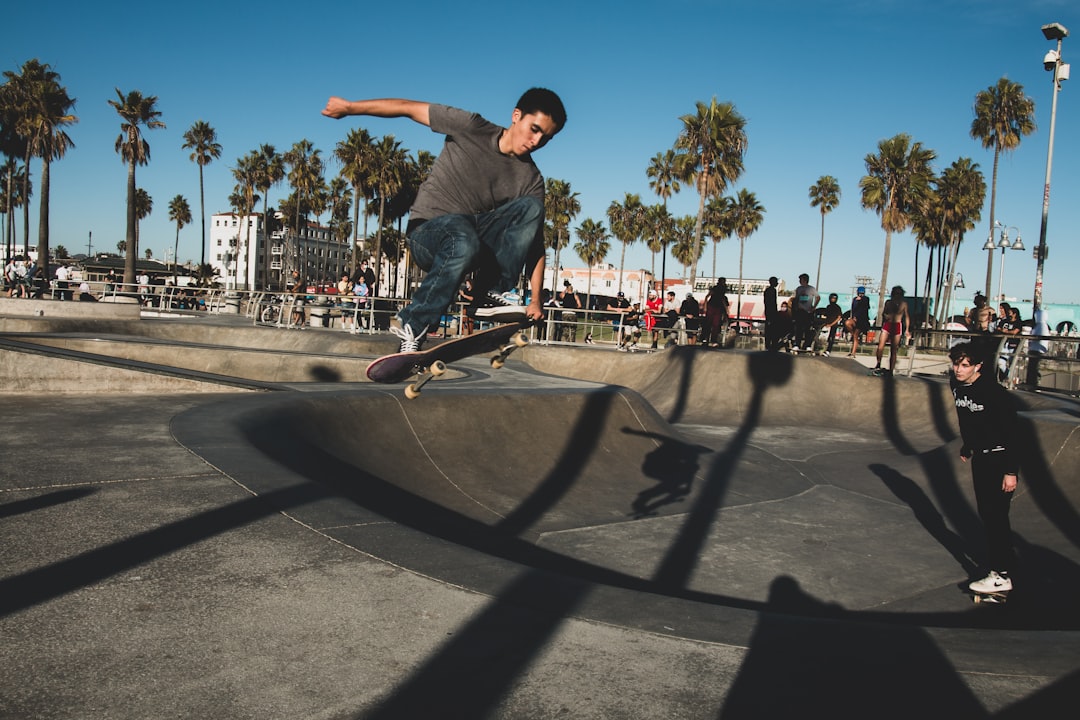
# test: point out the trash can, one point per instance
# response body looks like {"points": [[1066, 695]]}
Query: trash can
{"points": [[232, 305], [317, 315]]}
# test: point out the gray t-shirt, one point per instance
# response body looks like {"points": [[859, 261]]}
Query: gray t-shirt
{"points": [[471, 176]]}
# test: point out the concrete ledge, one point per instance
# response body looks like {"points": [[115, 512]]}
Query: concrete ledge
{"points": [[22, 307]]}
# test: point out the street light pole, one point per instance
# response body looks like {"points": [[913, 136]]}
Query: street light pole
{"points": [[1004, 244], [1052, 62]]}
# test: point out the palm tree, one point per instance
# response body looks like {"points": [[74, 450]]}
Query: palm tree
{"points": [[746, 216], [712, 144], [247, 175], [414, 171], [626, 220], [15, 144], [135, 111], [144, 205], [180, 214], [686, 247], [664, 181], [355, 155], [897, 178], [1003, 115], [718, 223], [14, 183], [269, 171], [43, 111], [592, 247], [305, 175], [824, 195], [658, 227], [389, 162], [201, 139], [961, 192], [561, 206]]}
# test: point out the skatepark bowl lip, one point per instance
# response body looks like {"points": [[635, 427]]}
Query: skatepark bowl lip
{"points": [[627, 407]]}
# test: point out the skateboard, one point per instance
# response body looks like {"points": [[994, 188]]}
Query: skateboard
{"points": [[991, 598], [879, 372], [431, 363]]}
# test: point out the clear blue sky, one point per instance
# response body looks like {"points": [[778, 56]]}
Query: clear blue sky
{"points": [[819, 83]]}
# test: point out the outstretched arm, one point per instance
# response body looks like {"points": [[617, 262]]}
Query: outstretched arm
{"points": [[338, 108]]}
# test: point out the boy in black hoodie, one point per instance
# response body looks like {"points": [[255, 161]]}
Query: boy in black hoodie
{"points": [[988, 429]]}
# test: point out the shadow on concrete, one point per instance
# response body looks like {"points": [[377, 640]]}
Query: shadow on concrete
{"points": [[43, 501]]}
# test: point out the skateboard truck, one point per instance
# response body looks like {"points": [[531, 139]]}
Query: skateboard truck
{"points": [[519, 340], [437, 368]]}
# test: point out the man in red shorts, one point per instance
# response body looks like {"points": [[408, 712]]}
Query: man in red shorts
{"points": [[894, 323]]}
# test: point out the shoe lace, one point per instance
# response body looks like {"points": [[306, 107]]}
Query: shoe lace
{"points": [[409, 341], [498, 300]]}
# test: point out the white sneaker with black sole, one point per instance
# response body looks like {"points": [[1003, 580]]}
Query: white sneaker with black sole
{"points": [[494, 307]]}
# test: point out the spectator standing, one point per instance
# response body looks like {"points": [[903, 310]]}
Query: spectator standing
{"points": [[895, 324], [570, 301], [716, 314], [772, 312], [689, 317], [858, 324], [832, 317], [805, 301]]}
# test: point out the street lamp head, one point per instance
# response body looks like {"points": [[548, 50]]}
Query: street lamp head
{"points": [[1019, 244], [989, 244], [1055, 31]]}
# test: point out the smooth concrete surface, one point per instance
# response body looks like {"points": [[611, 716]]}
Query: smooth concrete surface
{"points": [[583, 534], [28, 307]]}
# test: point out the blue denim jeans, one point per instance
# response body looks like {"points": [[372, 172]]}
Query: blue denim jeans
{"points": [[495, 244]]}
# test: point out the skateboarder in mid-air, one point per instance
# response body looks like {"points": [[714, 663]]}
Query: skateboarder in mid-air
{"points": [[480, 210], [987, 427]]}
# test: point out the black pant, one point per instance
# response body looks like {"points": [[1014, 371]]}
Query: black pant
{"points": [[987, 473], [804, 326]]}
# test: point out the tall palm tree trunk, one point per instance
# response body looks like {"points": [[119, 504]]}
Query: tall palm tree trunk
{"points": [[132, 239], [993, 207], [202, 216], [43, 217], [883, 290]]}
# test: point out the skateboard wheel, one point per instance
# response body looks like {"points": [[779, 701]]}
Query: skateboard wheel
{"points": [[498, 361], [412, 391], [521, 339], [438, 368]]}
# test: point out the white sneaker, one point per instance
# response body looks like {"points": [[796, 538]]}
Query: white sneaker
{"points": [[992, 583], [410, 342], [495, 307]]}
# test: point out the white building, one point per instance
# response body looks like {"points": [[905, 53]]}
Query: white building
{"points": [[247, 259]]}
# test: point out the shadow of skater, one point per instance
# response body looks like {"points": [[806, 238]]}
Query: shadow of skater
{"points": [[817, 667], [907, 491], [674, 464]]}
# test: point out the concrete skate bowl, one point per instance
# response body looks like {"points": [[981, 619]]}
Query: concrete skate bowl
{"points": [[799, 487], [214, 350]]}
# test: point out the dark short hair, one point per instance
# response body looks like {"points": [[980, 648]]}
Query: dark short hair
{"points": [[972, 351], [539, 99]]}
